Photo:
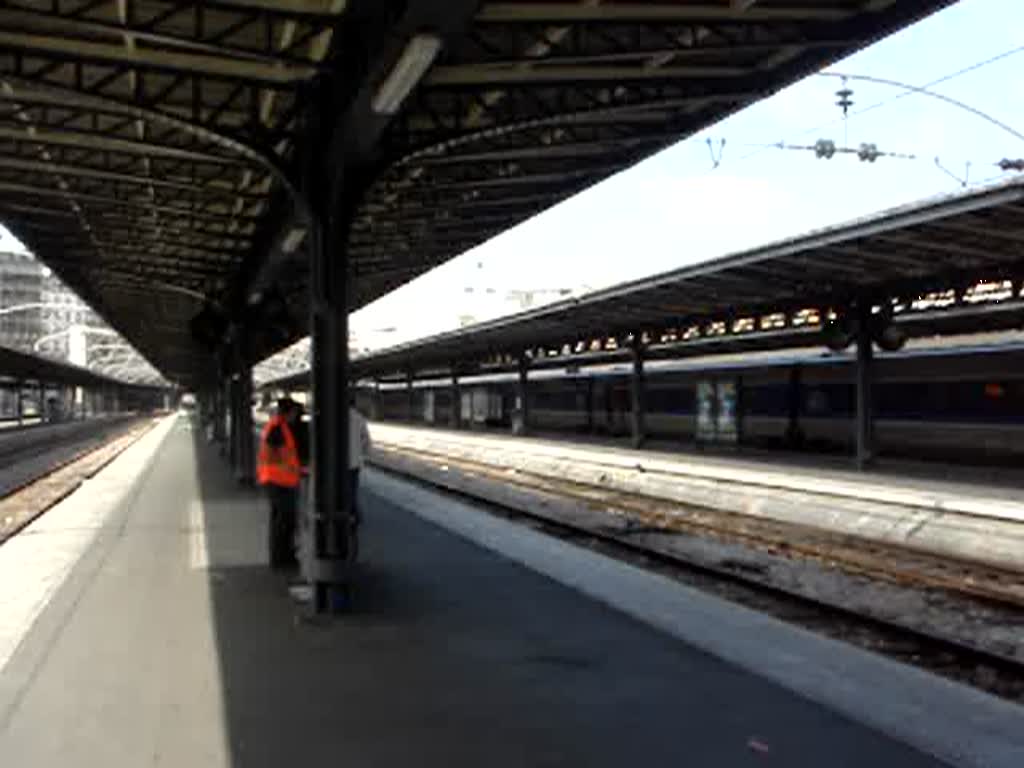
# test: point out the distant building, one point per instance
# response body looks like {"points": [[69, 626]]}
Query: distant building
{"points": [[21, 290], [41, 315], [63, 309], [34, 304]]}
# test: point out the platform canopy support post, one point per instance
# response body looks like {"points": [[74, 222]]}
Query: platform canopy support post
{"points": [[523, 397], [246, 434], [865, 402], [639, 399], [456, 416], [234, 409], [332, 515], [794, 431], [219, 414], [591, 424], [410, 408], [18, 400], [243, 438], [334, 532]]}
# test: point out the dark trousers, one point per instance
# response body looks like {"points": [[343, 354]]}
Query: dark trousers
{"points": [[284, 507]]}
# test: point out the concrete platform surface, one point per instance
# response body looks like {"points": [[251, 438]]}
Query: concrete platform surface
{"points": [[167, 641]]}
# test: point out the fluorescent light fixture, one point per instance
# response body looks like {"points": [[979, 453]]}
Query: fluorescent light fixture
{"points": [[293, 239], [412, 65]]}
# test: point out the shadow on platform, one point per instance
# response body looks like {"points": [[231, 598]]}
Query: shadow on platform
{"points": [[454, 656]]}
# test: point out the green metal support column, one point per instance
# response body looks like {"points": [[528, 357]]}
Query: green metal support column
{"points": [[456, 394], [242, 452], [234, 393], [865, 401], [334, 531], [18, 401], [219, 415], [639, 404], [794, 431], [410, 409], [245, 469], [589, 401], [523, 397]]}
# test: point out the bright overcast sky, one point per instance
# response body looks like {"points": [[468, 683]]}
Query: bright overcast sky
{"points": [[673, 209]]}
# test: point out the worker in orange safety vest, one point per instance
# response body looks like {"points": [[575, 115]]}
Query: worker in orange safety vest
{"points": [[279, 469]]}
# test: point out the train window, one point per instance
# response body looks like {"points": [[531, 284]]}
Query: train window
{"points": [[952, 401], [817, 402], [765, 399], [903, 400], [829, 400], [675, 399], [553, 397]]}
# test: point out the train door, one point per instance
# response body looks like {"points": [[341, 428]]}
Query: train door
{"points": [[718, 411]]}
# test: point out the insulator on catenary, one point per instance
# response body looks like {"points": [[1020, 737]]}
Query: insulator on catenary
{"points": [[825, 148], [868, 153]]}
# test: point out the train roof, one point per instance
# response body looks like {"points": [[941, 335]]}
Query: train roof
{"points": [[958, 246], [986, 345]]}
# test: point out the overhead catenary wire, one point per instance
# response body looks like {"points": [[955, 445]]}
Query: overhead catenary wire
{"points": [[911, 91], [923, 91]]}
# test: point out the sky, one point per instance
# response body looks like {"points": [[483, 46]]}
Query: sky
{"points": [[675, 209]]}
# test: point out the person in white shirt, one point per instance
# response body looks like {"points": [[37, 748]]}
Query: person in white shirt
{"points": [[358, 448]]}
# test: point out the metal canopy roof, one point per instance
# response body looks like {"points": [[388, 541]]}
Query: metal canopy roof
{"points": [[150, 149], [756, 298], [21, 366]]}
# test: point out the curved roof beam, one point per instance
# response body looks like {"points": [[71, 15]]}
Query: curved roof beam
{"points": [[585, 13], [229, 67], [97, 26], [78, 140], [9, 85], [88, 197], [584, 115], [75, 170]]}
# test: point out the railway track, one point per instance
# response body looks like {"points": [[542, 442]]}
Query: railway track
{"points": [[44, 475], [626, 534]]}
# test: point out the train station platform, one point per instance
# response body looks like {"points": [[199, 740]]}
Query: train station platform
{"points": [[958, 512], [983, 490], [140, 625]]}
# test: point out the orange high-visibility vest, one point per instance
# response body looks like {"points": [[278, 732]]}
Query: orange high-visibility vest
{"points": [[278, 465]]}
